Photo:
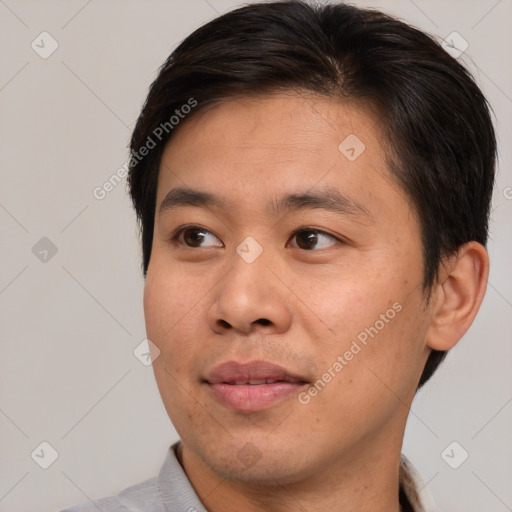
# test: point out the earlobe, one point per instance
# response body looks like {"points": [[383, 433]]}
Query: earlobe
{"points": [[458, 295]]}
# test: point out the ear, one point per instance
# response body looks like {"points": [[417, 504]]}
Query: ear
{"points": [[457, 295]]}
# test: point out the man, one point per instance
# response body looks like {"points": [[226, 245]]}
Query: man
{"points": [[313, 186]]}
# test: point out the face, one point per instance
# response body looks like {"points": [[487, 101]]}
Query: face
{"points": [[284, 289]]}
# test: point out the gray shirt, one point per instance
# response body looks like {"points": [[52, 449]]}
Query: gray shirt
{"points": [[171, 491]]}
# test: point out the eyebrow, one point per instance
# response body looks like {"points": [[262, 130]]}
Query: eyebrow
{"points": [[328, 198]]}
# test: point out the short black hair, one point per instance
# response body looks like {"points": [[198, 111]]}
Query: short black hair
{"points": [[436, 121]]}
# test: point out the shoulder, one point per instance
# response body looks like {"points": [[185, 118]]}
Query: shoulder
{"points": [[136, 498], [105, 505], [170, 491]]}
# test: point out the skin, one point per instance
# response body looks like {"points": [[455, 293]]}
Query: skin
{"points": [[204, 305]]}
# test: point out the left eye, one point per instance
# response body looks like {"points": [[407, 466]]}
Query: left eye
{"points": [[308, 239]]}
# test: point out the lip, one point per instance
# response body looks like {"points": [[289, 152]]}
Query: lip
{"points": [[252, 386]]}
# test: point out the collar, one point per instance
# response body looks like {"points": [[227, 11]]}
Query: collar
{"points": [[416, 496]]}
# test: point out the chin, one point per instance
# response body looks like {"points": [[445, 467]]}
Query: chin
{"points": [[255, 462]]}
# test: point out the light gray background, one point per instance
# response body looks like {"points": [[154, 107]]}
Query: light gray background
{"points": [[68, 375]]}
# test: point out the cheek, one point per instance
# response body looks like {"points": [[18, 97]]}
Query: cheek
{"points": [[377, 329], [154, 306], [168, 294], [171, 308], [171, 324], [384, 358], [345, 308]]}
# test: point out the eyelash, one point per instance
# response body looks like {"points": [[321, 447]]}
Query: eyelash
{"points": [[177, 234]]}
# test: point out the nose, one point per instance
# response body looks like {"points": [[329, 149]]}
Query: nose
{"points": [[250, 298]]}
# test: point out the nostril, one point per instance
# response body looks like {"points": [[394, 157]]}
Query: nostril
{"points": [[264, 321], [225, 324]]}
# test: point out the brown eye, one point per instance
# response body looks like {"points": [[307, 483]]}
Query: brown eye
{"points": [[197, 237], [308, 239]]}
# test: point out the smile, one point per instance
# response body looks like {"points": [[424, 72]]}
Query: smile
{"points": [[253, 386]]}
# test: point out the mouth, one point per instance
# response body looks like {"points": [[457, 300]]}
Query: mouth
{"points": [[253, 386]]}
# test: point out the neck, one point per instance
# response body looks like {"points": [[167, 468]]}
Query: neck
{"points": [[367, 480]]}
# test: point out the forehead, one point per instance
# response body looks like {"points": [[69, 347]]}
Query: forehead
{"points": [[281, 123], [258, 148]]}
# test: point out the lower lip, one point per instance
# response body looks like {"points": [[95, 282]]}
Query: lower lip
{"points": [[250, 398]]}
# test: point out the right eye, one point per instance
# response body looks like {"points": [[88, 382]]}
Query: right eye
{"points": [[195, 237]]}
